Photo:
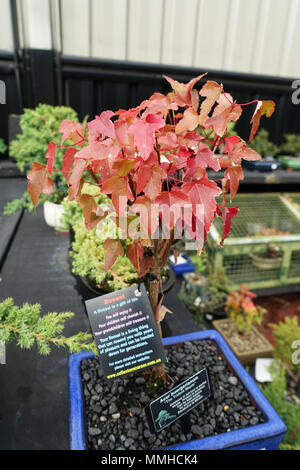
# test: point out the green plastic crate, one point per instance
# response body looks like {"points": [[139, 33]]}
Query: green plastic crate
{"points": [[238, 256]]}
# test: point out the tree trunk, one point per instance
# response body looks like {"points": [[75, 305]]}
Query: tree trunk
{"points": [[159, 371]]}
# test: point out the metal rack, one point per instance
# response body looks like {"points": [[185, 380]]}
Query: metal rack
{"points": [[245, 254]]}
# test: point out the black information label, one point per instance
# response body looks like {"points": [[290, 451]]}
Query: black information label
{"points": [[179, 401], [125, 331]]}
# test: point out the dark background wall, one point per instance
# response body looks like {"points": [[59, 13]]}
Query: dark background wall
{"points": [[93, 85]]}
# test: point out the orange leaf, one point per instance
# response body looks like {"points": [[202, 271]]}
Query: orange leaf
{"points": [[123, 166], [266, 108], [114, 250], [223, 113], [161, 312], [189, 122], [39, 182], [90, 210], [212, 91], [51, 155]]}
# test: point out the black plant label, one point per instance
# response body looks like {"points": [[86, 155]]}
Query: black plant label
{"points": [[125, 332], [179, 401]]}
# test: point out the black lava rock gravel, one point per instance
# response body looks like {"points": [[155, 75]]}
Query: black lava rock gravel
{"points": [[115, 409]]}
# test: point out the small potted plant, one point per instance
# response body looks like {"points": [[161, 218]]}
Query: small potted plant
{"points": [[196, 281], [39, 126], [213, 307], [239, 330], [271, 258], [267, 150], [290, 151], [151, 157], [287, 350]]}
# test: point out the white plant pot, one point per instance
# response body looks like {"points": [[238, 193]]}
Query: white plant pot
{"points": [[52, 215]]}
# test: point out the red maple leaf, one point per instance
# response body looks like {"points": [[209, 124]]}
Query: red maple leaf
{"points": [[78, 169], [114, 249], [143, 132], [189, 122], [51, 155], [102, 125], [120, 191], [39, 182], [153, 186], [229, 213], [171, 204], [223, 114], [182, 91], [70, 130], [202, 194], [212, 91], [67, 162], [262, 108], [231, 179]]}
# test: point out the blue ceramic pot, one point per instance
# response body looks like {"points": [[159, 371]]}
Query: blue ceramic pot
{"points": [[267, 435], [262, 165], [181, 268]]}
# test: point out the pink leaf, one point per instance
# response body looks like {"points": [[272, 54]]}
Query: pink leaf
{"points": [[51, 155], [77, 172], [70, 130], [143, 133], [102, 125], [39, 182], [67, 163]]}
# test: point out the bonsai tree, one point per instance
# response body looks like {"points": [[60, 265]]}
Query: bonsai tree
{"points": [[291, 146], [263, 145], [39, 126], [152, 164], [242, 311], [27, 327]]}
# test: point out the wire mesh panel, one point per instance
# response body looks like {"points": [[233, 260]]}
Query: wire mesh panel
{"points": [[242, 269], [294, 270], [258, 212], [263, 248]]}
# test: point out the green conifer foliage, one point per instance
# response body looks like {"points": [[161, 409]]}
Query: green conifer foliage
{"points": [[27, 327]]}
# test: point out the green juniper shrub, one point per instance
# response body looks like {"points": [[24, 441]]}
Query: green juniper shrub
{"points": [[262, 145], [276, 393], [286, 334], [27, 327], [291, 146], [200, 262], [88, 256], [39, 127]]}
